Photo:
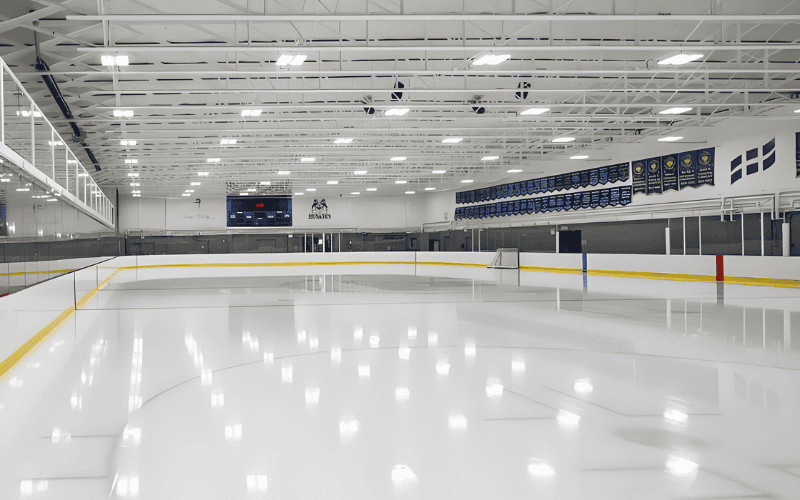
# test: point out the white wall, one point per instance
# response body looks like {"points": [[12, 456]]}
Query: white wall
{"points": [[368, 212], [730, 139]]}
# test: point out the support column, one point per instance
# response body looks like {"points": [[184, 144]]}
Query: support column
{"points": [[699, 235], [787, 240], [787, 330], [742, 219], [558, 245], [666, 237], [761, 218], [684, 236]]}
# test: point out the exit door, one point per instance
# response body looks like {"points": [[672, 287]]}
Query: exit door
{"points": [[569, 242]]}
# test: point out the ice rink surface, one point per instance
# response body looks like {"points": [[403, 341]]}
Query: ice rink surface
{"points": [[364, 382]]}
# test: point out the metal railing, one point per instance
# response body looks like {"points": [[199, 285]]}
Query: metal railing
{"points": [[30, 142]]}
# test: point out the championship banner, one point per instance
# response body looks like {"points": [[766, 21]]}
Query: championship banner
{"points": [[551, 184], [559, 183], [604, 198], [639, 177], [623, 171], [625, 193], [575, 177], [654, 176], [687, 169], [613, 174], [705, 166], [594, 201], [523, 188], [602, 174], [613, 196], [669, 167], [584, 178], [586, 199], [594, 177]]}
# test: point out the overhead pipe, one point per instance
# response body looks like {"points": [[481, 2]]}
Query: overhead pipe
{"points": [[52, 86]]}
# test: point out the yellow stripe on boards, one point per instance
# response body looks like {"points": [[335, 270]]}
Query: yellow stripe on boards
{"points": [[557, 270], [33, 343], [23, 273], [653, 276], [456, 264], [781, 283]]}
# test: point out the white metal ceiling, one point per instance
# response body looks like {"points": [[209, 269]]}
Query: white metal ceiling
{"points": [[195, 65]]}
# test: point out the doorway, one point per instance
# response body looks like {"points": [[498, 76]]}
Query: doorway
{"points": [[433, 245], [569, 242]]}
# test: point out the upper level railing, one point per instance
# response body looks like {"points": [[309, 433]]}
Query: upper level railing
{"points": [[34, 146]]}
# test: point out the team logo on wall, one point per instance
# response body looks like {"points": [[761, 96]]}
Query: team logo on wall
{"points": [[654, 166], [319, 210], [704, 158], [638, 168], [687, 160], [669, 163]]}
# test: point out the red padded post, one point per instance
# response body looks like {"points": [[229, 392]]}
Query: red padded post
{"points": [[720, 272]]}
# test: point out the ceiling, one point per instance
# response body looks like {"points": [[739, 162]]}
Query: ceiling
{"points": [[194, 66]]}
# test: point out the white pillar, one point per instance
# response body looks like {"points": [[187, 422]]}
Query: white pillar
{"points": [[742, 219], [669, 314], [699, 235], [558, 246], [684, 236], [787, 247], [666, 237]]}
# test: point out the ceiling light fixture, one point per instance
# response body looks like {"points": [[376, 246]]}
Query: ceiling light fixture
{"points": [[514, 171], [55, 143], [202, 174], [670, 138], [195, 183], [490, 158], [680, 59], [430, 189], [535, 111], [452, 140], [36, 114], [213, 160], [467, 181], [400, 182], [360, 172], [249, 190], [396, 111], [410, 192], [192, 190], [114, 60], [398, 158], [343, 140], [243, 194], [372, 189], [355, 193], [333, 182], [227, 142], [307, 159], [266, 183], [133, 174], [127, 143], [251, 112], [579, 157], [135, 184], [311, 189], [284, 172], [563, 139], [131, 160], [123, 113], [491, 59], [674, 111], [438, 171], [299, 194]]}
